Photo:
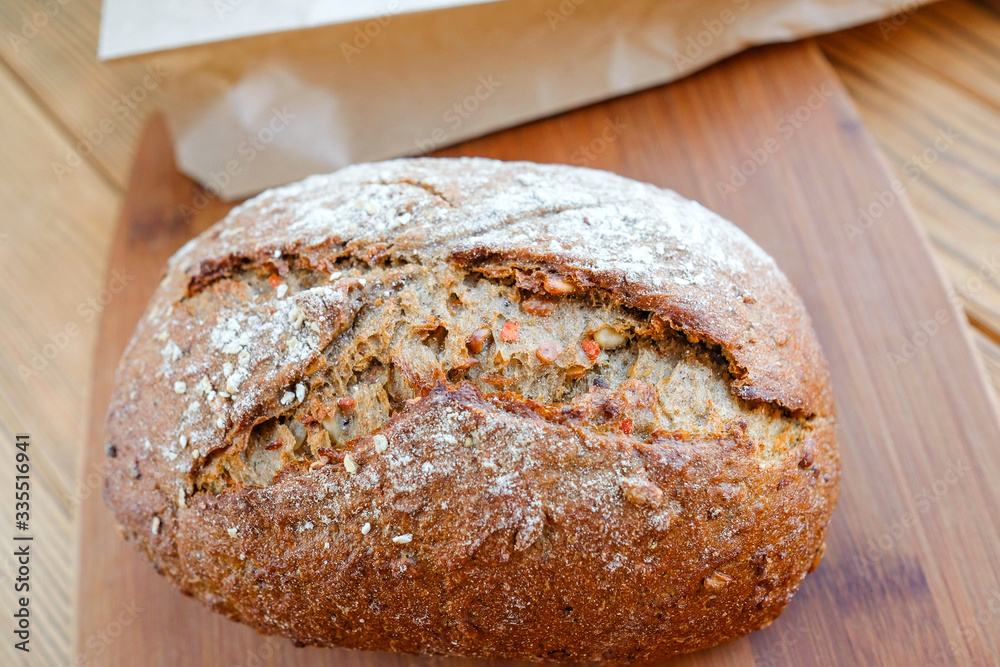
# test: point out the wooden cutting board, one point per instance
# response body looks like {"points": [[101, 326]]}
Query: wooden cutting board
{"points": [[769, 140]]}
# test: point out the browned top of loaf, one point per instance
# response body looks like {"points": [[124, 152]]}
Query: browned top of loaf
{"points": [[653, 249], [718, 516]]}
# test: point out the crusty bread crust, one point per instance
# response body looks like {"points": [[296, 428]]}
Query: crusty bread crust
{"points": [[476, 522]]}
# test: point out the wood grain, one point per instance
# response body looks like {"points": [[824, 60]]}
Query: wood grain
{"points": [[918, 436], [54, 91], [52, 48], [929, 91], [53, 248]]}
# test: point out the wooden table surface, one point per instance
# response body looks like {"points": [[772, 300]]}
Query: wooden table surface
{"points": [[927, 85]]}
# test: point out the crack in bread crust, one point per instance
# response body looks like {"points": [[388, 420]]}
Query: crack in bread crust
{"points": [[418, 328], [475, 408]]}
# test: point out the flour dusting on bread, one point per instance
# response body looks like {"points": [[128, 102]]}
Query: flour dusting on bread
{"points": [[470, 407]]}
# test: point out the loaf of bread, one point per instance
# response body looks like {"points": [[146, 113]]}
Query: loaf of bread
{"points": [[476, 408]]}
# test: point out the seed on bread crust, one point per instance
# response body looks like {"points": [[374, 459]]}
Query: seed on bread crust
{"points": [[549, 351], [717, 581], [642, 492], [478, 339], [539, 305], [496, 380], [609, 338], [554, 285], [320, 462], [510, 332]]}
